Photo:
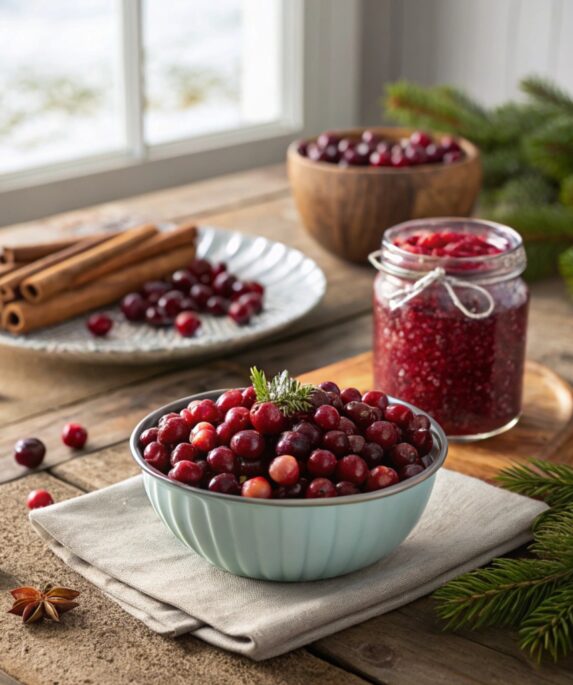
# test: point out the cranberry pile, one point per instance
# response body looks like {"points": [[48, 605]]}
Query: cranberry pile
{"points": [[372, 150], [448, 244], [201, 288], [343, 443]]}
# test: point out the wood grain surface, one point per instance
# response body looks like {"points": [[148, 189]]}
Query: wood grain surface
{"points": [[100, 643]]}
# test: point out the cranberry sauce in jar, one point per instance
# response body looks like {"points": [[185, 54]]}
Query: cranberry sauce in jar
{"points": [[450, 319]]}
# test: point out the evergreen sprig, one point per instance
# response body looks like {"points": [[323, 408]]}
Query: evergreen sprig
{"points": [[533, 594], [290, 396], [547, 93]]}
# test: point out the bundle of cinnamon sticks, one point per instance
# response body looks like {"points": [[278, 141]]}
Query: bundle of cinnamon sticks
{"points": [[47, 283]]}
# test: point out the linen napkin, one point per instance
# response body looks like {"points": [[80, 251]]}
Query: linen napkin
{"points": [[114, 539]]}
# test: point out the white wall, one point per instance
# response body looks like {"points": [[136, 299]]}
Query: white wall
{"points": [[483, 46]]}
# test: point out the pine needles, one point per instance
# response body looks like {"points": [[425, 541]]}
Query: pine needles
{"points": [[535, 594], [288, 394]]}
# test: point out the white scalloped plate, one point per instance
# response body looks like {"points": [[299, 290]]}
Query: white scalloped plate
{"points": [[294, 285]]}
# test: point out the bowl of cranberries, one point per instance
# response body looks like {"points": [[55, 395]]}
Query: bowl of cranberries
{"points": [[350, 185], [289, 482]]}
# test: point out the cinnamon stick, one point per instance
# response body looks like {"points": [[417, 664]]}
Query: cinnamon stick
{"points": [[6, 269], [23, 317], [183, 235], [11, 281], [29, 253]]}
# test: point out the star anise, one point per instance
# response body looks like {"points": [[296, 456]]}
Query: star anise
{"points": [[34, 605]]}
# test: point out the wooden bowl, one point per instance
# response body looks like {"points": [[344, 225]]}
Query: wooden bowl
{"points": [[347, 209]]}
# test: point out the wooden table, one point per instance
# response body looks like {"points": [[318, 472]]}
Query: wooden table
{"points": [[101, 643]]}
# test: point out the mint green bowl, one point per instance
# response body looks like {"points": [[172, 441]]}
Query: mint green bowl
{"points": [[288, 540]]}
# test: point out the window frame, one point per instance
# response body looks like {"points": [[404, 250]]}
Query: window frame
{"points": [[320, 90]]}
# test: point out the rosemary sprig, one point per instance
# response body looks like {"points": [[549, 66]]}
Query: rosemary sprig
{"points": [[290, 396]]}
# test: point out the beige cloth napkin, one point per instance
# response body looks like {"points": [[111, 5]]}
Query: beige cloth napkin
{"points": [[113, 538]]}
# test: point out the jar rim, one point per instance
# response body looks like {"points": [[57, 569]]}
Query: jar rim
{"points": [[509, 263]]}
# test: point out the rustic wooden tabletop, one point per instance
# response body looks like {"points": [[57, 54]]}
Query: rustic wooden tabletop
{"points": [[103, 644]]}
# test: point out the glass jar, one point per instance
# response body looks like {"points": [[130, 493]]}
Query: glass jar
{"points": [[449, 332]]}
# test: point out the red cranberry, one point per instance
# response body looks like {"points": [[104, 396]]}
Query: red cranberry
{"points": [[157, 455], [249, 397], [345, 488], [301, 147], [240, 312], [345, 144], [318, 398], [329, 386], [217, 306], [173, 431], [347, 426], [337, 442], [399, 160], [183, 280], [320, 487], [312, 432], [380, 158], [204, 440], [224, 433], [252, 468], [422, 440], [258, 487], [225, 483], [296, 444], [352, 468], [149, 435], [165, 418], [254, 287], [229, 399], [335, 401], [155, 317], [370, 137], [248, 444], [410, 470], [184, 451], [381, 477], [223, 460], [267, 418], [170, 303], [419, 421], [372, 454], [38, 499], [403, 454], [356, 443], [415, 155], [201, 294], [434, 153], [203, 426], [451, 157], [133, 307], [375, 398], [202, 270], [29, 452], [218, 268], [449, 144], [74, 435], [188, 304], [360, 413], [399, 414], [187, 324], [420, 138], [99, 325], [239, 418], [382, 433], [188, 472], [321, 463], [284, 470], [153, 290], [252, 300], [327, 138], [350, 395], [327, 417], [223, 284]]}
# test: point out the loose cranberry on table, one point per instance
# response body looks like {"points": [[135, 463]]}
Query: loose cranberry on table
{"points": [[29, 452], [99, 325], [38, 499], [74, 435]]}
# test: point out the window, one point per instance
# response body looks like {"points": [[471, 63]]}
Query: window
{"points": [[119, 79]]}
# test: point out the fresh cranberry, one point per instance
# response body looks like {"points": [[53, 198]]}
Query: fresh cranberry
{"points": [[337, 442], [284, 470], [223, 460], [350, 395], [149, 435], [203, 426], [398, 159], [320, 487], [252, 300], [370, 137], [356, 443], [451, 157], [165, 418], [187, 324], [205, 410], [74, 435], [372, 454], [410, 470], [345, 144], [248, 444], [183, 280], [29, 452], [352, 468], [312, 432], [38, 499], [449, 144], [249, 468], [296, 444], [321, 463], [249, 397], [329, 386], [170, 303], [383, 433], [375, 398], [335, 401], [224, 433], [267, 418], [218, 268], [240, 312], [99, 325], [403, 454], [225, 483], [204, 440], [239, 418], [258, 487], [202, 270], [380, 158], [357, 156], [184, 451], [399, 414], [345, 488], [229, 399], [381, 477], [157, 455], [419, 421], [223, 284], [420, 138], [254, 287], [133, 307], [434, 153], [422, 440], [156, 317], [188, 472], [174, 431], [217, 305], [153, 290], [360, 413], [188, 304], [347, 426], [415, 155], [319, 398], [327, 138], [327, 417], [301, 147]]}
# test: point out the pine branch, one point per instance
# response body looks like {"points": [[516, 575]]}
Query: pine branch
{"points": [[553, 483], [526, 189], [549, 627], [566, 268], [287, 393], [547, 93], [566, 192], [550, 147]]}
